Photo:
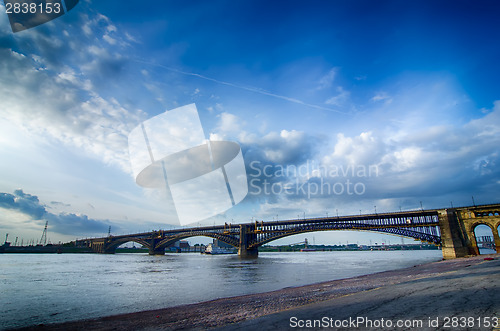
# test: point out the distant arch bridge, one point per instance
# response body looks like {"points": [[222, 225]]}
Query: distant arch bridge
{"points": [[452, 229], [420, 225]]}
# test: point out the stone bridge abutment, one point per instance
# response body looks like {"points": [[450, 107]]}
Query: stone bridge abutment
{"points": [[457, 229]]}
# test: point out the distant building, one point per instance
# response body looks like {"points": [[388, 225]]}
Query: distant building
{"points": [[184, 245], [218, 243], [180, 246]]}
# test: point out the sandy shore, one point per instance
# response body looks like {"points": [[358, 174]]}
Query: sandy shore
{"points": [[468, 287]]}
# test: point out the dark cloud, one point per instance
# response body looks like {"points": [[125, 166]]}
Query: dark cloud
{"points": [[63, 223], [287, 147], [26, 203], [58, 203], [72, 224], [270, 160]]}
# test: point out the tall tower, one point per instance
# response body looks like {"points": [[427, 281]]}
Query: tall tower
{"points": [[43, 240]]}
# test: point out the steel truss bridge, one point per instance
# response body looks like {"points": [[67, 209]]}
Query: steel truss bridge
{"points": [[248, 237]]}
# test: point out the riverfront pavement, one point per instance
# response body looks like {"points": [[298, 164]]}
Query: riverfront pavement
{"points": [[459, 294]]}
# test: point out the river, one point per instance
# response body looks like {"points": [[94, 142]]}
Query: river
{"points": [[48, 288]]}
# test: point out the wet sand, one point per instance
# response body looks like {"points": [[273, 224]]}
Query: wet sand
{"points": [[468, 287]]}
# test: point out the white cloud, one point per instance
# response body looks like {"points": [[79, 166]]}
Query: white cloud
{"points": [[340, 99], [109, 39], [87, 29], [60, 102], [286, 146], [130, 37], [382, 96], [431, 161], [110, 28], [404, 159], [487, 125], [216, 137], [364, 149], [327, 80], [218, 107], [229, 123]]}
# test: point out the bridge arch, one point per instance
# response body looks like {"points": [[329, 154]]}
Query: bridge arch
{"points": [[407, 233], [482, 235], [230, 240], [116, 243], [474, 225]]}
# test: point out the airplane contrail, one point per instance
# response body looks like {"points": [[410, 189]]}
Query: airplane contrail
{"points": [[250, 89]]}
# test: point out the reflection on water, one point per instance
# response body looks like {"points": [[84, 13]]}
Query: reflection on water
{"points": [[45, 288]]}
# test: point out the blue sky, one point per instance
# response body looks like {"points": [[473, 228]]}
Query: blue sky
{"points": [[408, 87]]}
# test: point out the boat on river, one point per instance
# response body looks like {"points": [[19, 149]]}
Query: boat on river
{"points": [[215, 250]]}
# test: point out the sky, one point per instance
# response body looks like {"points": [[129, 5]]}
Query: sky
{"points": [[341, 107]]}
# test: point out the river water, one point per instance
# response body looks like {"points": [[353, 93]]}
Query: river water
{"points": [[48, 288]]}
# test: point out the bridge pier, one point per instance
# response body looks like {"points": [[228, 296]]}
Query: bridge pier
{"points": [[109, 250], [154, 249], [496, 237], [159, 251], [454, 243], [248, 253], [245, 235]]}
